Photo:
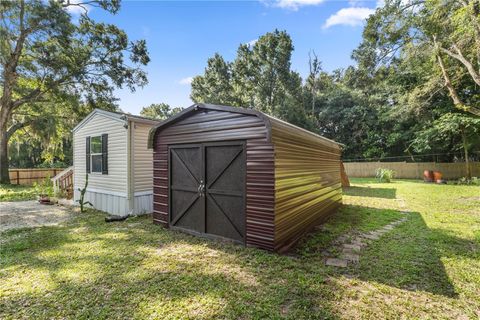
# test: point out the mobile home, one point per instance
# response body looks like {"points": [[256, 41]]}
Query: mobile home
{"points": [[111, 148]]}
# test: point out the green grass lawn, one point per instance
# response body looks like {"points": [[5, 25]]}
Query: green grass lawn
{"points": [[11, 192], [428, 267]]}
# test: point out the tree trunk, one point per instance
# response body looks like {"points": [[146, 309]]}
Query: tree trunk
{"points": [[467, 161], [4, 176]]}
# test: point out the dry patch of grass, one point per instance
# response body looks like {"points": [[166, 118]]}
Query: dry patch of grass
{"points": [[429, 267]]}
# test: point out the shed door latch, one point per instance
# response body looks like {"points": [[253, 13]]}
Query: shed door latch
{"points": [[201, 189]]}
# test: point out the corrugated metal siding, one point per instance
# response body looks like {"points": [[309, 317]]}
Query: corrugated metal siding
{"points": [[307, 181], [209, 126], [116, 179], [142, 158], [113, 204], [160, 183], [260, 194], [143, 204]]}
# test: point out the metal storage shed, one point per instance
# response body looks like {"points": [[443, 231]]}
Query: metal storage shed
{"points": [[243, 175]]}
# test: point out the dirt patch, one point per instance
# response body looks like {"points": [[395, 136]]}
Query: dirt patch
{"points": [[468, 199], [27, 214]]}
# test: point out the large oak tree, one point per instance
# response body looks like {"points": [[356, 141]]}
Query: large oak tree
{"points": [[47, 51], [449, 31]]}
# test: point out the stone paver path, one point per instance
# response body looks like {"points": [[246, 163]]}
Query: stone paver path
{"points": [[25, 214], [351, 248]]}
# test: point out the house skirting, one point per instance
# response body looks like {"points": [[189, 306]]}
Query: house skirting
{"points": [[116, 203]]}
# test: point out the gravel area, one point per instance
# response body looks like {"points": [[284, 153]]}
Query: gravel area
{"points": [[26, 214]]}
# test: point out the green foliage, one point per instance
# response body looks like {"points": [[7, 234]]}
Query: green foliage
{"points": [[384, 175], [82, 201], [376, 109], [13, 192], [61, 194], [452, 127], [442, 35], [393, 102], [215, 85], [48, 139], [56, 164], [56, 68], [474, 181], [259, 78], [44, 187], [159, 111], [135, 269]]}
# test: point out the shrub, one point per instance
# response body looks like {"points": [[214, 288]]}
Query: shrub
{"points": [[56, 164], [45, 187], [385, 175], [475, 181]]}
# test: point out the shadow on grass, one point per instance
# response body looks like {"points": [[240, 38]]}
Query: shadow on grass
{"points": [[356, 191], [90, 269], [134, 269], [349, 219], [409, 257]]}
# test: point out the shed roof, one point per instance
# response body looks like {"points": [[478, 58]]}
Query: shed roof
{"points": [[120, 116], [266, 118]]}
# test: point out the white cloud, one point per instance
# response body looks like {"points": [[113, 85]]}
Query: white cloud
{"points": [[356, 3], [76, 9], [354, 16], [185, 81], [251, 43], [295, 4]]}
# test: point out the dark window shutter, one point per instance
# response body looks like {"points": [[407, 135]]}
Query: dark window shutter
{"points": [[87, 152], [104, 153]]}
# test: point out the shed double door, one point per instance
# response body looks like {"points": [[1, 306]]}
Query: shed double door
{"points": [[207, 188]]}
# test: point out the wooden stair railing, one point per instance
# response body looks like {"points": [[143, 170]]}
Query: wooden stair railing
{"points": [[63, 182]]}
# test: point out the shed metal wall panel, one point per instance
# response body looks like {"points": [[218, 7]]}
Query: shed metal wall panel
{"points": [[292, 175], [210, 126], [260, 194], [307, 181], [116, 179]]}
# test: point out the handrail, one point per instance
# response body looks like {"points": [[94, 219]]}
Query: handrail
{"points": [[64, 182], [61, 173]]}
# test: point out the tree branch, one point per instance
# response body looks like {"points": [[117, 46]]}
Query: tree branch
{"points": [[451, 89], [34, 94], [459, 56], [17, 126]]}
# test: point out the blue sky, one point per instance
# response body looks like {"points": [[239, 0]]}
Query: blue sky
{"points": [[182, 35]]}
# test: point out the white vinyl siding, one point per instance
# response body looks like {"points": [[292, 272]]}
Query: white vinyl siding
{"points": [[116, 179], [142, 158]]}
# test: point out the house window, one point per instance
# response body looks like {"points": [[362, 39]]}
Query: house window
{"points": [[96, 154]]}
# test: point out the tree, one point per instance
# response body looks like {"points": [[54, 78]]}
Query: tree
{"points": [[45, 54], [271, 73], [315, 67], [449, 31], [159, 111], [243, 81], [459, 129], [259, 78], [214, 86], [47, 140]]}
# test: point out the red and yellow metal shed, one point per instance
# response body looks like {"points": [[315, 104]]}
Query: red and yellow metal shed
{"points": [[242, 175]]}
